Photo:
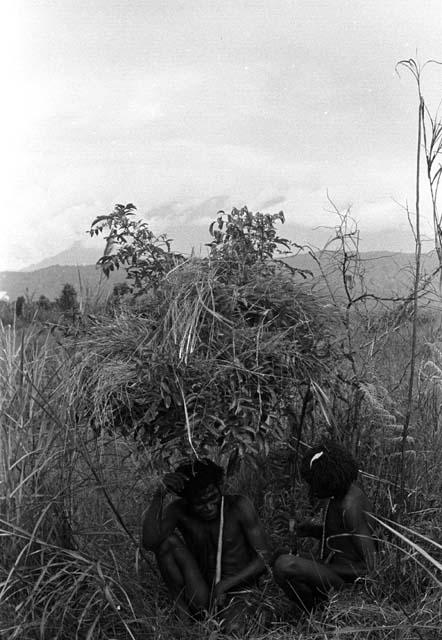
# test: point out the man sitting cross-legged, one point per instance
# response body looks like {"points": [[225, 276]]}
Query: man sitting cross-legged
{"points": [[347, 547], [200, 531]]}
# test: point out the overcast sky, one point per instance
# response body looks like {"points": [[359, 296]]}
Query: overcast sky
{"points": [[170, 101]]}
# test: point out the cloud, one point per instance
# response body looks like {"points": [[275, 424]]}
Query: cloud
{"points": [[269, 104], [52, 214], [41, 222]]}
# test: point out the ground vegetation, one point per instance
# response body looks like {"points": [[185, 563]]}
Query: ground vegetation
{"points": [[242, 358]]}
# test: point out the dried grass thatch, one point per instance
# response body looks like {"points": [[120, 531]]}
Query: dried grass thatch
{"points": [[205, 361]]}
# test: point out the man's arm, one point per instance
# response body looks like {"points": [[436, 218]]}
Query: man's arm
{"points": [[355, 519], [254, 533], [158, 525]]}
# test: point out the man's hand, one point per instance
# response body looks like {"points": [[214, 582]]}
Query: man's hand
{"points": [[220, 592], [159, 522], [175, 482]]}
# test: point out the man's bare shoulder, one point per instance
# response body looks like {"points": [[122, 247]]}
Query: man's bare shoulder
{"points": [[356, 496], [356, 502]]}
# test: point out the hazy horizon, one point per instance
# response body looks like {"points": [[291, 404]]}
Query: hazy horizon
{"points": [[170, 105]]}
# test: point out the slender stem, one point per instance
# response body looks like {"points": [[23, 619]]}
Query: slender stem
{"points": [[418, 252]]}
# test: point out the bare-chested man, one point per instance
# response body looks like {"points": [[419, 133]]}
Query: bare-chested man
{"points": [[185, 538], [347, 548]]}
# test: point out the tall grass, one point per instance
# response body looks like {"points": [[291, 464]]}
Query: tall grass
{"points": [[71, 502], [66, 564]]}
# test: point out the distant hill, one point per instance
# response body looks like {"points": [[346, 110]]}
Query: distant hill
{"points": [[50, 280], [381, 269], [385, 273], [76, 254]]}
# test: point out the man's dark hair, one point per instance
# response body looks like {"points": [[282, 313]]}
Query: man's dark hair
{"points": [[329, 469], [200, 474]]}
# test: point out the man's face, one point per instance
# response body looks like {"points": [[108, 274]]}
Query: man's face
{"points": [[206, 503]]}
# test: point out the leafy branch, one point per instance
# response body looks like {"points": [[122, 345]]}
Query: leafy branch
{"points": [[130, 243]]}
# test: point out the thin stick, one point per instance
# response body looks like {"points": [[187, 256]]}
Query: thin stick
{"points": [[186, 414], [418, 251], [219, 551]]}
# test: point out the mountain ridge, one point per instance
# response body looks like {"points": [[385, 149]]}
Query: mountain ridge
{"points": [[385, 272], [75, 254]]}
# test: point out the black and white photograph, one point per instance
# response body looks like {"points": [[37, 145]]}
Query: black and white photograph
{"points": [[221, 320]]}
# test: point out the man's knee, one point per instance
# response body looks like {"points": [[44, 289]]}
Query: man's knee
{"points": [[284, 567], [169, 545]]}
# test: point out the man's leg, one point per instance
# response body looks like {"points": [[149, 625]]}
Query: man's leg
{"points": [[182, 576], [304, 580]]}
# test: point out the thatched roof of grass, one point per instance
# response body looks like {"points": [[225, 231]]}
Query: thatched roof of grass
{"points": [[205, 362]]}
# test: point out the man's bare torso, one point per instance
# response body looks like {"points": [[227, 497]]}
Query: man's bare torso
{"points": [[338, 541], [202, 539]]}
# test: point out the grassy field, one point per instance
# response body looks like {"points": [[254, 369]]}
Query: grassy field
{"points": [[72, 494]]}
